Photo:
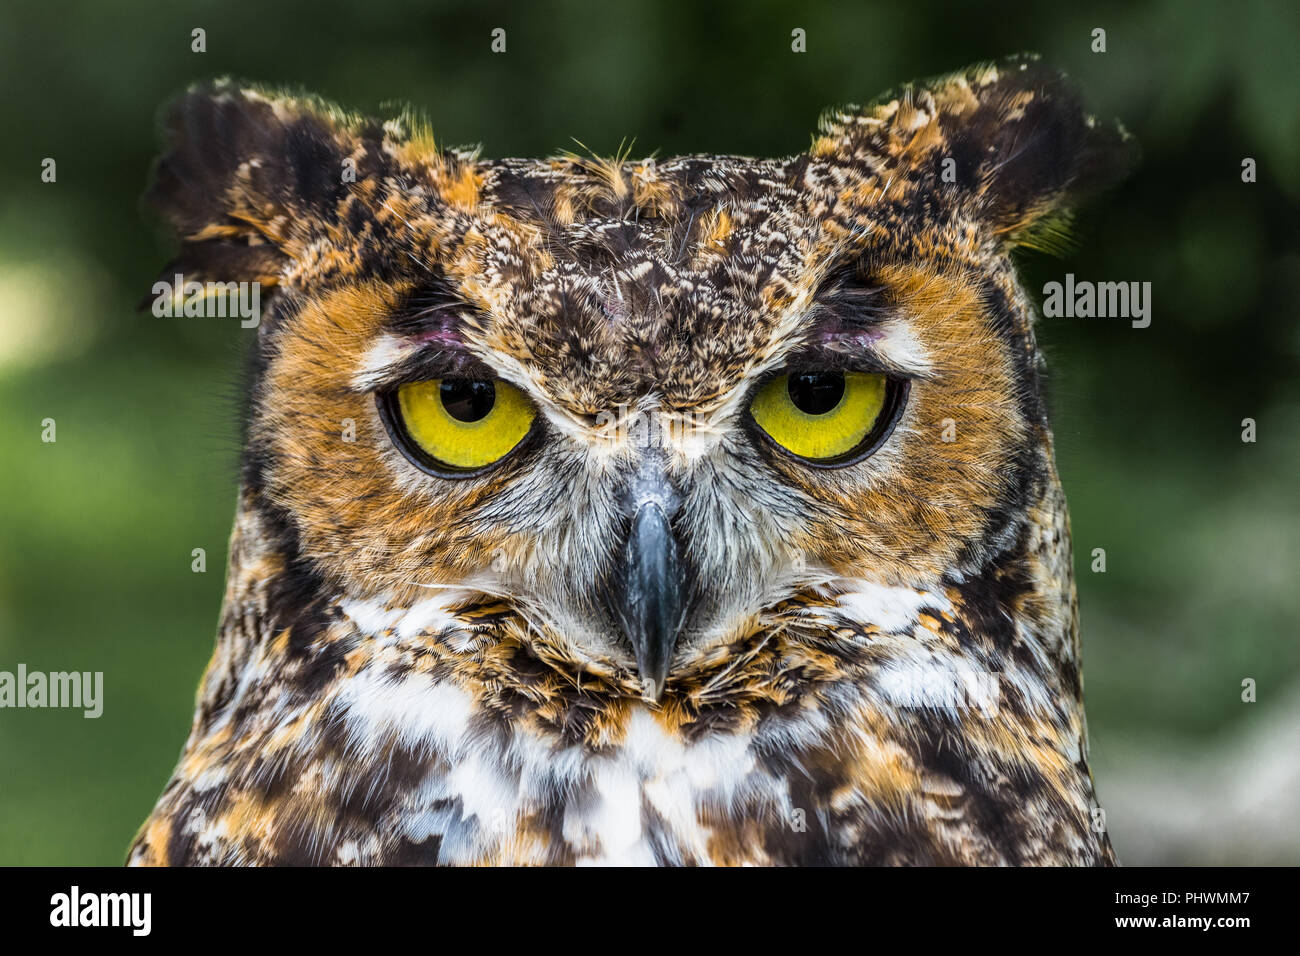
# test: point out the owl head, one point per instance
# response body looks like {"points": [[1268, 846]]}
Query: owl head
{"points": [[635, 421]]}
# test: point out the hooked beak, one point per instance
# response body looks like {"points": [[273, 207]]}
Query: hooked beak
{"points": [[650, 589]]}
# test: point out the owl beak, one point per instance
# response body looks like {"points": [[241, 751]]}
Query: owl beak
{"points": [[651, 594]]}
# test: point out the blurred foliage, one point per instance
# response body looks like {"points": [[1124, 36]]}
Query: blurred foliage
{"points": [[96, 530]]}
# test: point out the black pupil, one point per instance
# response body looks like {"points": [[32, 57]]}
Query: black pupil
{"points": [[816, 393], [467, 400]]}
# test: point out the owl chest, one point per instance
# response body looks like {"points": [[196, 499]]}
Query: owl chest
{"points": [[650, 800], [810, 792]]}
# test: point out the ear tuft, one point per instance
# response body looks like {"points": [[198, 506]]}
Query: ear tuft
{"points": [[247, 176], [1010, 142]]}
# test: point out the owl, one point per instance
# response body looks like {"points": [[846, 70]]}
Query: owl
{"points": [[678, 511]]}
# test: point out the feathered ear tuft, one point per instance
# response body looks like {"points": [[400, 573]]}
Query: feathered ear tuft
{"points": [[248, 178], [1009, 142]]}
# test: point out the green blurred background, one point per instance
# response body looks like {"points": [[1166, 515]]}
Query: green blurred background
{"points": [[1200, 529]]}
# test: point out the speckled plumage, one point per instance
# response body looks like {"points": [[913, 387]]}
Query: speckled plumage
{"points": [[881, 661]]}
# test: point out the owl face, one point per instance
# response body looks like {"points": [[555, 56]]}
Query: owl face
{"points": [[647, 407], [645, 474]]}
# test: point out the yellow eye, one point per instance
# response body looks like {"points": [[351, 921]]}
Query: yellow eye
{"points": [[463, 424], [823, 416]]}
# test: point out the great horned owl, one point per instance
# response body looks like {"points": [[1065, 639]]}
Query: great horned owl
{"points": [[698, 510]]}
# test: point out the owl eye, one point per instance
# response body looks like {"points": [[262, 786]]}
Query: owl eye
{"points": [[457, 425], [828, 418]]}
